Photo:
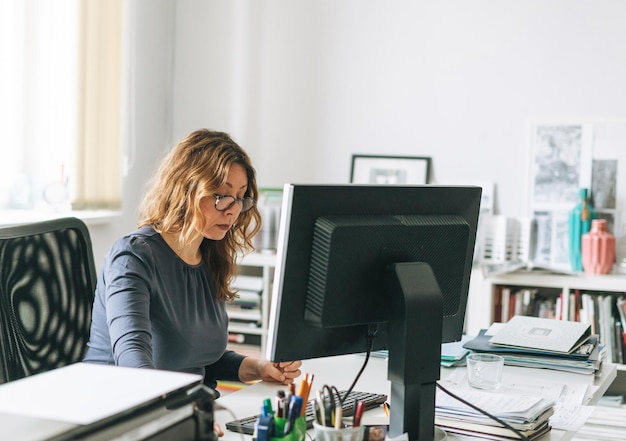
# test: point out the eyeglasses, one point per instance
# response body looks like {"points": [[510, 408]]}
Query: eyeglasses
{"points": [[226, 202]]}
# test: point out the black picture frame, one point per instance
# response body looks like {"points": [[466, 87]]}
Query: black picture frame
{"points": [[390, 170]]}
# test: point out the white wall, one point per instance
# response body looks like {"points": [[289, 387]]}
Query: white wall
{"points": [[455, 80], [147, 124], [302, 85]]}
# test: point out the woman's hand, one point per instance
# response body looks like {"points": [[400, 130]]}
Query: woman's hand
{"points": [[284, 372]]}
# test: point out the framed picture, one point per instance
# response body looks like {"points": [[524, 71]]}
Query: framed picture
{"points": [[390, 170], [561, 163]]}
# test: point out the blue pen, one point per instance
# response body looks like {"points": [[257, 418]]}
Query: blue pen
{"points": [[295, 407]]}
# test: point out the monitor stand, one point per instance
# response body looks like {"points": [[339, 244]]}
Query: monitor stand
{"points": [[415, 330]]}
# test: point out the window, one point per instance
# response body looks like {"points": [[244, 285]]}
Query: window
{"points": [[60, 104]]}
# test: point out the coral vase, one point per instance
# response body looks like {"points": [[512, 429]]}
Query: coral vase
{"points": [[598, 249]]}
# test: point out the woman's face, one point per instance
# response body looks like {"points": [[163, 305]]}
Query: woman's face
{"points": [[219, 222]]}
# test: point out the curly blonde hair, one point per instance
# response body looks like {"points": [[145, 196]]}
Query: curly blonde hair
{"points": [[195, 168]]}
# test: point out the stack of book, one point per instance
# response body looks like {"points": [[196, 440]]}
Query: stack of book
{"points": [[542, 343], [526, 413]]}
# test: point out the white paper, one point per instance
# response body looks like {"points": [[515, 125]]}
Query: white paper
{"points": [[570, 417], [559, 392], [494, 403]]}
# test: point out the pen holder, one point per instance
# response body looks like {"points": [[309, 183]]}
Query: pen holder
{"points": [[324, 433], [298, 432]]}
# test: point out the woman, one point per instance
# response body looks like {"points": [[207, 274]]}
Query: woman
{"points": [[160, 298]]}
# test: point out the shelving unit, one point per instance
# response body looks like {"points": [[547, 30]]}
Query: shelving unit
{"points": [[255, 275], [485, 303], [481, 305]]}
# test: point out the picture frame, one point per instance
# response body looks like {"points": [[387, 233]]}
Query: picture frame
{"points": [[560, 163], [390, 170]]}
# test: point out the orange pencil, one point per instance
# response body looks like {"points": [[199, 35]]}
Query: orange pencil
{"points": [[303, 385], [306, 391]]}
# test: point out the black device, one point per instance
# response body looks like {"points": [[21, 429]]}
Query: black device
{"points": [[355, 261]]}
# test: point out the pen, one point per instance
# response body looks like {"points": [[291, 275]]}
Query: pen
{"points": [[386, 408], [358, 413]]}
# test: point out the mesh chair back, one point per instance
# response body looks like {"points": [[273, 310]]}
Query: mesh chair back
{"points": [[47, 282]]}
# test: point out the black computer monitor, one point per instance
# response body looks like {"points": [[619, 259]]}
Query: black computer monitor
{"points": [[391, 261]]}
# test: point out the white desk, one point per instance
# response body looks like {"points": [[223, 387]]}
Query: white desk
{"points": [[340, 371]]}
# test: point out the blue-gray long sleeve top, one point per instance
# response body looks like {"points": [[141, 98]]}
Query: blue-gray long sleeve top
{"points": [[153, 310]]}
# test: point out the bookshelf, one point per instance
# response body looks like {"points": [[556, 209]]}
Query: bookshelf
{"points": [[581, 297], [249, 315]]}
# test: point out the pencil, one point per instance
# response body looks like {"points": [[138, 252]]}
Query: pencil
{"points": [[307, 391], [302, 383]]}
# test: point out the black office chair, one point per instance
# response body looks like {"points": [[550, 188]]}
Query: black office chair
{"points": [[47, 282]]}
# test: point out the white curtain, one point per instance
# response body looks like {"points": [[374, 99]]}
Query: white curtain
{"points": [[99, 174]]}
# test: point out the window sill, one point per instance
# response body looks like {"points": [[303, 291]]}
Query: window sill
{"points": [[9, 218]]}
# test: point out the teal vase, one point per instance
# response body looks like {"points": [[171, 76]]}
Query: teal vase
{"points": [[580, 218]]}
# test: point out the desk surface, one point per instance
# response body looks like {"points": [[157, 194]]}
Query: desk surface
{"points": [[340, 371]]}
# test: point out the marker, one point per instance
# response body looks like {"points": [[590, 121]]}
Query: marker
{"points": [[267, 407], [295, 406], [280, 403], [264, 428]]}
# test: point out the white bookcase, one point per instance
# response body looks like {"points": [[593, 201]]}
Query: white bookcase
{"points": [[255, 274], [480, 310], [482, 303]]}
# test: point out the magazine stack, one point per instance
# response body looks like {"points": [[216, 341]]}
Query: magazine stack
{"points": [[542, 343]]}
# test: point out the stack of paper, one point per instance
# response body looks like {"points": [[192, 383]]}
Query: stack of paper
{"points": [[527, 413], [584, 359]]}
